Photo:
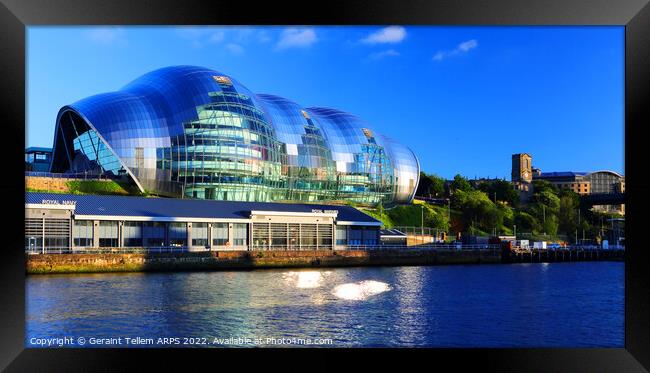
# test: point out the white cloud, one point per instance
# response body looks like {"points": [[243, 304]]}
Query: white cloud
{"points": [[390, 34], [298, 38], [386, 53], [200, 36], [106, 35], [462, 48], [217, 36], [263, 36], [235, 48], [467, 45]]}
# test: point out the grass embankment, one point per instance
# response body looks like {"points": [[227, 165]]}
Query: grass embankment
{"points": [[109, 187], [101, 187], [435, 216], [411, 215]]}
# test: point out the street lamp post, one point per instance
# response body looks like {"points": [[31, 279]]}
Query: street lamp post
{"points": [[422, 223], [515, 231]]}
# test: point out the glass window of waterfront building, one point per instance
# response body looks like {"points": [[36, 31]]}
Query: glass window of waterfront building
{"points": [[294, 236], [33, 233], [260, 235], [132, 233], [153, 234], [177, 234], [341, 235], [279, 235], [56, 233], [200, 234], [356, 236], [82, 233], [324, 236], [239, 232], [108, 234], [219, 234], [308, 236]]}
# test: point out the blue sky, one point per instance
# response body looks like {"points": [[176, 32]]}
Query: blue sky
{"points": [[463, 98]]}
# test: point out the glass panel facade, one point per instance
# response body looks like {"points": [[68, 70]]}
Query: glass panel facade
{"points": [[219, 234], [177, 234], [261, 235], [82, 233], [341, 235], [153, 234], [279, 235], [308, 236], [324, 236], [57, 233], [604, 182], [200, 234], [239, 233], [108, 235], [193, 131], [132, 232]]}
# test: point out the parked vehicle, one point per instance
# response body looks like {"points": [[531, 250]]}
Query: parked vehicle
{"points": [[539, 245]]}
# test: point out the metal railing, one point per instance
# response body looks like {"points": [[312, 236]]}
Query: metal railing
{"points": [[419, 231], [570, 248], [111, 250], [185, 249], [78, 175], [425, 247]]}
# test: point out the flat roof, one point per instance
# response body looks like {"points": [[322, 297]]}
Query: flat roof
{"points": [[391, 233], [109, 205], [33, 149]]}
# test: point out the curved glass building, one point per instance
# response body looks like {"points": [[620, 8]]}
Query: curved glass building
{"points": [[195, 132]]}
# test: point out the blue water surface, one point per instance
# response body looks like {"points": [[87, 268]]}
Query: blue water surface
{"points": [[516, 305]]}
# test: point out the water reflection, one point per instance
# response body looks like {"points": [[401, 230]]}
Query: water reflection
{"points": [[361, 290], [438, 306], [305, 279]]}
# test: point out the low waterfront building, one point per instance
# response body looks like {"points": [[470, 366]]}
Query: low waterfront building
{"points": [[392, 237], [78, 222]]}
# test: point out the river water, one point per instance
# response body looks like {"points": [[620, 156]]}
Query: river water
{"points": [[517, 305]]}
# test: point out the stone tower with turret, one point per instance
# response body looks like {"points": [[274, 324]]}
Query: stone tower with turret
{"points": [[522, 175]]}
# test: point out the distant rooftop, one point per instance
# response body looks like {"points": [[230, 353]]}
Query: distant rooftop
{"points": [[561, 174]]}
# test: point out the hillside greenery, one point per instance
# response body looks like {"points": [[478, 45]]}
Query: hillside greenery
{"points": [[493, 206]]}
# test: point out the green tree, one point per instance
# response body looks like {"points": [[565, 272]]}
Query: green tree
{"points": [[460, 183], [526, 222], [503, 190], [550, 225], [568, 213], [545, 207], [430, 186], [508, 215], [542, 185], [478, 210]]}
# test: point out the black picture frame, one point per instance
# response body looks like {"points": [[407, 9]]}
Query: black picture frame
{"points": [[16, 15]]}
